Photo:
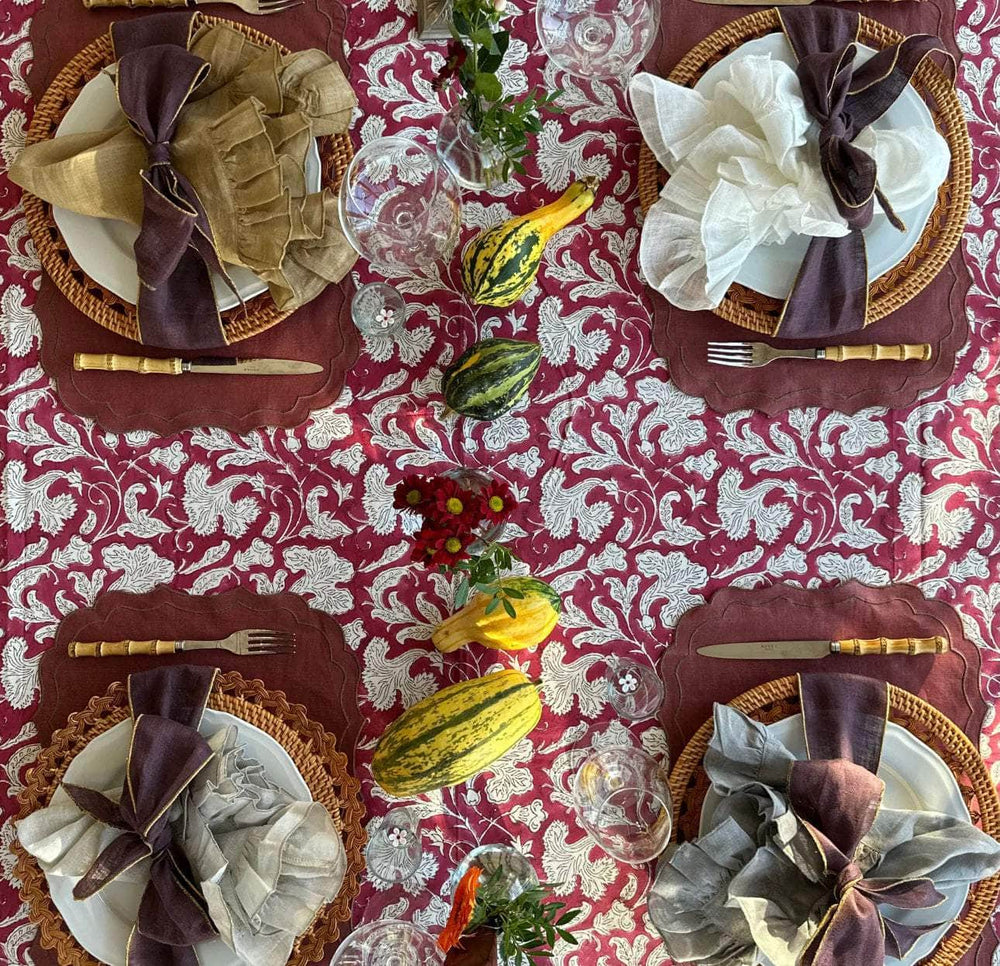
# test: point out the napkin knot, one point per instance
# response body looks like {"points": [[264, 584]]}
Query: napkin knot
{"points": [[830, 294], [175, 253], [166, 753], [159, 153], [848, 878]]}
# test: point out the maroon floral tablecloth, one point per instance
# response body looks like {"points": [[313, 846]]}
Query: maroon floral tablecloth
{"points": [[639, 502]]}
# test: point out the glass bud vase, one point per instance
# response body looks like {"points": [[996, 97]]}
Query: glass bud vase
{"points": [[475, 163]]}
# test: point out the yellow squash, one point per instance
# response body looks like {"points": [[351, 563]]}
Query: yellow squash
{"points": [[453, 735], [537, 614], [500, 265]]}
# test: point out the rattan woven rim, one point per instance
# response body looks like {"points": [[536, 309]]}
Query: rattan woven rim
{"points": [[944, 229], [92, 299], [779, 699], [312, 749]]}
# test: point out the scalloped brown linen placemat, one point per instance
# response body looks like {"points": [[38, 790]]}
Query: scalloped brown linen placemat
{"points": [[320, 332], [936, 315], [323, 674], [949, 682]]}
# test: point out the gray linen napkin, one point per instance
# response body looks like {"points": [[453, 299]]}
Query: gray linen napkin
{"points": [[753, 889]]}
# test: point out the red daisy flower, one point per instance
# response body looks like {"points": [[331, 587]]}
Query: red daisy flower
{"points": [[412, 494], [453, 505], [440, 547], [498, 502]]}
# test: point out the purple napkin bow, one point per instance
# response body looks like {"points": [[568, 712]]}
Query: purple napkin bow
{"points": [[836, 794], [174, 252], [166, 752], [830, 294]]}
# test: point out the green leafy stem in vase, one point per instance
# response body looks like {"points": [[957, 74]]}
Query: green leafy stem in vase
{"points": [[526, 926], [474, 56]]}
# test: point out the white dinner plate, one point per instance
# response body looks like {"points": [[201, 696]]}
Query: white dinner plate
{"points": [[771, 269], [102, 923], [915, 778], [103, 247]]}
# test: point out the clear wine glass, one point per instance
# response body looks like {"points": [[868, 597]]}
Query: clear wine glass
{"points": [[597, 38], [622, 799], [390, 942], [394, 850], [400, 207], [635, 690]]}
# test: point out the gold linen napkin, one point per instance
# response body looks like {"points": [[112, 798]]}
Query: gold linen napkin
{"points": [[242, 142]]}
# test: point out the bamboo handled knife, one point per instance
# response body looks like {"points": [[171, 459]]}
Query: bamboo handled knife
{"points": [[217, 365], [802, 650]]}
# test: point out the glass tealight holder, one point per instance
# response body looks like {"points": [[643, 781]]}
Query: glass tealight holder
{"points": [[378, 311], [394, 850], [635, 690]]}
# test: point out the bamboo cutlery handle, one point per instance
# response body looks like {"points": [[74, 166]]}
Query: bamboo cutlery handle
{"points": [[879, 353], [863, 647], [112, 362], [120, 648], [134, 3]]}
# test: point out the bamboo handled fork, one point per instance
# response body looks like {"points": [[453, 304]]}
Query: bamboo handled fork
{"points": [[254, 642], [253, 7]]}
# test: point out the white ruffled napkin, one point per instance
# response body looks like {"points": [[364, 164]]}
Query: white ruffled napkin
{"points": [[744, 171], [266, 862]]}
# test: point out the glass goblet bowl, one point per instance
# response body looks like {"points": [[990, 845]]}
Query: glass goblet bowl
{"points": [[400, 207], [622, 799], [389, 942], [597, 38]]}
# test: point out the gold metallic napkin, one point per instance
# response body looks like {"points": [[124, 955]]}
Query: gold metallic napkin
{"points": [[242, 141]]}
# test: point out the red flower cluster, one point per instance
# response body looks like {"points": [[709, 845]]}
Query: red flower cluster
{"points": [[452, 515]]}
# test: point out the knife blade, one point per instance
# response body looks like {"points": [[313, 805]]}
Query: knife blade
{"points": [[215, 365], [809, 650]]}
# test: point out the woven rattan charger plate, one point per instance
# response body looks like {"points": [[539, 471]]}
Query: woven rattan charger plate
{"points": [[83, 292], [943, 232], [311, 748], [779, 699]]}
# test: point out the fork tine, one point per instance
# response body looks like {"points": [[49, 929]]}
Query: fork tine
{"points": [[738, 363], [272, 649], [276, 6], [720, 354], [731, 353]]}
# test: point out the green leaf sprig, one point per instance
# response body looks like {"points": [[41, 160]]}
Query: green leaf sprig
{"points": [[503, 121], [483, 572], [529, 925]]}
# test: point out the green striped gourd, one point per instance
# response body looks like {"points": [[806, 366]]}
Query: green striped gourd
{"points": [[453, 735], [537, 614], [490, 377], [499, 265]]}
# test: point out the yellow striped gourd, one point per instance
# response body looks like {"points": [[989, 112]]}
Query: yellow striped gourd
{"points": [[453, 735], [537, 614], [500, 265]]}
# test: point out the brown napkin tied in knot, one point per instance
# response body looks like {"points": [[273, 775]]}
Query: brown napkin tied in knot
{"points": [[174, 250], [830, 294], [837, 794], [166, 753], [241, 140]]}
